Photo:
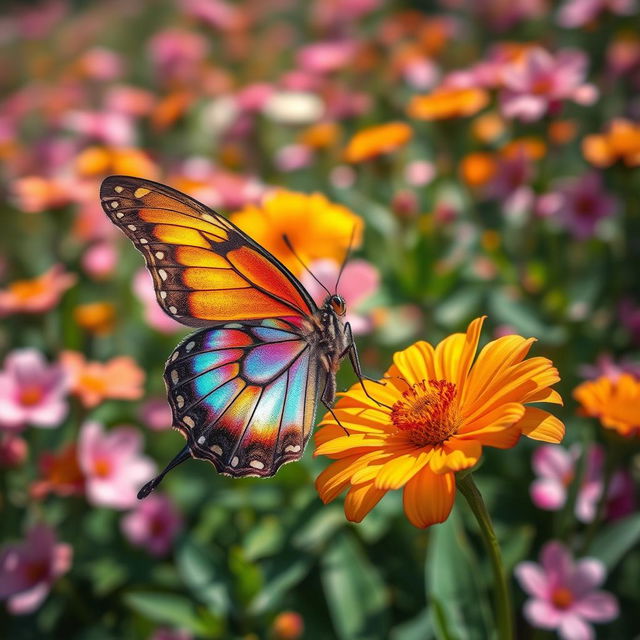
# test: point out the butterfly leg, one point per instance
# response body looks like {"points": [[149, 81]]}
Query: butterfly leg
{"points": [[328, 396]]}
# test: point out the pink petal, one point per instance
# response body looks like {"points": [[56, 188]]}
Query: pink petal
{"points": [[588, 574], [556, 562], [587, 501], [48, 415], [552, 461], [573, 627], [532, 579], [89, 444], [597, 606], [28, 601], [12, 575], [542, 614], [123, 442], [548, 494]]}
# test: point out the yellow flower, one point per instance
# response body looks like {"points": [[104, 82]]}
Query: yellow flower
{"points": [[316, 227], [448, 102], [615, 402], [375, 141], [437, 410]]}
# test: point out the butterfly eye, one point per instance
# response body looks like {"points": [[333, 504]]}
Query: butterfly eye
{"points": [[338, 305]]}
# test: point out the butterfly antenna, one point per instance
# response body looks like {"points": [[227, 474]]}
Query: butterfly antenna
{"points": [[185, 454], [288, 243], [346, 257]]}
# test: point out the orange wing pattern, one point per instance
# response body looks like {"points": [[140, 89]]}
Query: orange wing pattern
{"points": [[205, 270]]}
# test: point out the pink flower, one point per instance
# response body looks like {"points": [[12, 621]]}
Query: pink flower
{"points": [[419, 173], [215, 13], [13, 451], [156, 414], [176, 52], [359, 280], [154, 316], [325, 57], [113, 467], [606, 366], [28, 569], [555, 467], [153, 524], [110, 127], [101, 64], [292, 157], [564, 595], [99, 260], [31, 391], [578, 13], [539, 82]]}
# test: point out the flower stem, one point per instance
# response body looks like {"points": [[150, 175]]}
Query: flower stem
{"points": [[504, 620]]}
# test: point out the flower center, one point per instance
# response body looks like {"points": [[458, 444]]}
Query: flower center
{"points": [[561, 597], [30, 395], [102, 467], [36, 572], [427, 412], [93, 383]]}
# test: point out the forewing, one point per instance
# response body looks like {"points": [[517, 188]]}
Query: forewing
{"points": [[205, 270], [244, 395]]}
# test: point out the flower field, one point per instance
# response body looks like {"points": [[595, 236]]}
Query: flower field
{"points": [[467, 173]]}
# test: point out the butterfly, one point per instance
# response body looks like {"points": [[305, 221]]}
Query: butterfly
{"points": [[244, 388]]}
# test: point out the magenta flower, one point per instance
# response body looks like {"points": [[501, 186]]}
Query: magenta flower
{"points": [[564, 593], [153, 524], [605, 366], [28, 569], [359, 280], [112, 464], [31, 391], [539, 82], [156, 414], [578, 13], [325, 57]]}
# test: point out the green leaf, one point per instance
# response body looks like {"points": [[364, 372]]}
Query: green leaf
{"points": [[615, 540], [265, 538], [418, 628], [354, 590], [452, 575]]}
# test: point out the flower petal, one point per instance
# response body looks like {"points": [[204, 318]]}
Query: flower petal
{"points": [[597, 606], [549, 494], [398, 471], [459, 454], [360, 500], [428, 497], [573, 627], [541, 425], [532, 579], [553, 462], [333, 479], [588, 574], [542, 614], [413, 364], [501, 417]]}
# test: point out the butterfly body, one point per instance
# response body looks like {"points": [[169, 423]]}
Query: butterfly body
{"points": [[244, 388]]}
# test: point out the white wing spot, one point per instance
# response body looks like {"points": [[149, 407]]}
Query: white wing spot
{"points": [[132, 227], [217, 450], [208, 217], [294, 448], [140, 192], [143, 241], [118, 189], [174, 376], [180, 401], [189, 421], [233, 325], [256, 464], [173, 310], [162, 273], [114, 204], [190, 346], [163, 294], [159, 255], [119, 214], [234, 462], [175, 355], [201, 440]]}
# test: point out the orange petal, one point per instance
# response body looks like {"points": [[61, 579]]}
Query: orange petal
{"points": [[428, 497], [495, 435], [347, 445], [461, 454], [501, 417], [337, 475], [545, 395], [360, 500], [398, 471], [472, 338], [540, 425], [415, 363]]}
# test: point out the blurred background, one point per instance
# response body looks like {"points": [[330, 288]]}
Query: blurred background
{"points": [[491, 150]]}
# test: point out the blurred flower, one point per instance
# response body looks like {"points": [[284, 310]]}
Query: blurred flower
{"points": [[113, 467], [478, 168], [326, 57], [99, 161], [405, 203], [615, 403], [556, 468], [578, 13], [564, 593], [34, 194], [538, 82], [448, 102], [607, 367], [153, 524], [110, 127], [321, 135], [215, 13], [29, 568], [175, 53], [156, 414], [623, 54], [288, 625], [31, 391], [379, 140], [292, 157], [99, 63], [620, 143], [37, 295], [13, 451], [95, 317], [316, 227], [294, 107], [359, 281], [419, 173], [342, 176], [581, 203], [93, 382], [99, 260], [488, 127], [60, 473], [430, 419], [154, 315]]}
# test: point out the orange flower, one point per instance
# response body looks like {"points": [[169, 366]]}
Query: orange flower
{"points": [[36, 295], [97, 161], [530, 147], [448, 102], [96, 317], [316, 227], [60, 474], [36, 193], [616, 403], [477, 169], [320, 136], [488, 127], [621, 142], [431, 418], [120, 378], [375, 141]]}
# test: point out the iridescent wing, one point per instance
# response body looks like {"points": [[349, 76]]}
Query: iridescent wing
{"points": [[244, 395], [205, 270]]}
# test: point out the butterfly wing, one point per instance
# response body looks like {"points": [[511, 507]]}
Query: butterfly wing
{"points": [[244, 395], [205, 270]]}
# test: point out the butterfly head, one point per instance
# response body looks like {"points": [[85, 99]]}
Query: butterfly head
{"points": [[337, 304]]}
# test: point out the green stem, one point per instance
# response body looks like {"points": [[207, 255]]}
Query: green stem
{"points": [[504, 621]]}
